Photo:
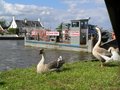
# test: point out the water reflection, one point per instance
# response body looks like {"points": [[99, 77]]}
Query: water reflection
{"points": [[13, 54], [69, 56]]}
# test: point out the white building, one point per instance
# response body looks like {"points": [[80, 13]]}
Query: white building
{"points": [[25, 26], [13, 23]]}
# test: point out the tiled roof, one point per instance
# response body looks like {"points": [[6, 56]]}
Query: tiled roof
{"points": [[22, 23]]}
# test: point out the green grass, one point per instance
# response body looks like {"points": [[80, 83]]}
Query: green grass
{"points": [[74, 76]]}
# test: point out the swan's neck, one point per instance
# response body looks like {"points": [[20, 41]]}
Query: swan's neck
{"points": [[42, 61], [99, 39]]}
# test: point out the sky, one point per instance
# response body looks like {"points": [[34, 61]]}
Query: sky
{"points": [[53, 12]]}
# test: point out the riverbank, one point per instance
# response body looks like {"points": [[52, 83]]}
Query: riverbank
{"points": [[74, 76], [11, 37]]}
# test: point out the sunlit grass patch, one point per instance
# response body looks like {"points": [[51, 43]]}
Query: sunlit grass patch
{"points": [[73, 76]]}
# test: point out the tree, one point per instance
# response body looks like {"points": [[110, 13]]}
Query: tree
{"points": [[13, 30], [59, 28], [3, 23]]}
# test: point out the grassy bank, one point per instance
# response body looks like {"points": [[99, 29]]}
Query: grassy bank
{"points": [[74, 76]]}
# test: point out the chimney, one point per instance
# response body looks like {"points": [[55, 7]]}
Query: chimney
{"points": [[25, 20]]}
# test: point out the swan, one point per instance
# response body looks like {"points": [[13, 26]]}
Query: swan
{"points": [[97, 50], [52, 66], [115, 55]]}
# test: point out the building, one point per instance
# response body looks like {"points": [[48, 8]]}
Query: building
{"points": [[74, 37], [25, 26], [79, 32], [65, 31]]}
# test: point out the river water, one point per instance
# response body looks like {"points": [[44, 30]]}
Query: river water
{"points": [[13, 54]]}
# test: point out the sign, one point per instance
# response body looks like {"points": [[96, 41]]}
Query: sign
{"points": [[74, 33], [52, 33], [33, 33]]}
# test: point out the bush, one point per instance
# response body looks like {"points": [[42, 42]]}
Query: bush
{"points": [[12, 30]]}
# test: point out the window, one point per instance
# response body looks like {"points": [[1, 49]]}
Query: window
{"points": [[75, 24], [84, 24]]}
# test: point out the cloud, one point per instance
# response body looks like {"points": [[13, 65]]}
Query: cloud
{"points": [[84, 1], [18, 9], [96, 9], [21, 11], [52, 17]]}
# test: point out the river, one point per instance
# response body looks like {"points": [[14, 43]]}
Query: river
{"points": [[13, 54]]}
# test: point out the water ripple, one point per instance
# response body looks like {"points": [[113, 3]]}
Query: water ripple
{"points": [[13, 54]]}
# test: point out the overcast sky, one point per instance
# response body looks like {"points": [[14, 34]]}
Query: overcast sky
{"points": [[53, 12]]}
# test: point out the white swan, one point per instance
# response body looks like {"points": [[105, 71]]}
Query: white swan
{"points": [[52, 66], [115, 55], [97, 50]]}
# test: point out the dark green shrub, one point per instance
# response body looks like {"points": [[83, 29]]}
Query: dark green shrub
{"points": [[12, 30]]}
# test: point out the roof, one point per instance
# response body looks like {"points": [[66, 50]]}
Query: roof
{"points": [[23, 23], [84, 19], [1, 29]]}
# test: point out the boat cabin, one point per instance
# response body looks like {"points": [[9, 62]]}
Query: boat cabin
{"points": [[79, 32]]}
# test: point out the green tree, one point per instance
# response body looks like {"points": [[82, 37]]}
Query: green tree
{"points": [[3, 23], [59, 28], [13, 30]]}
